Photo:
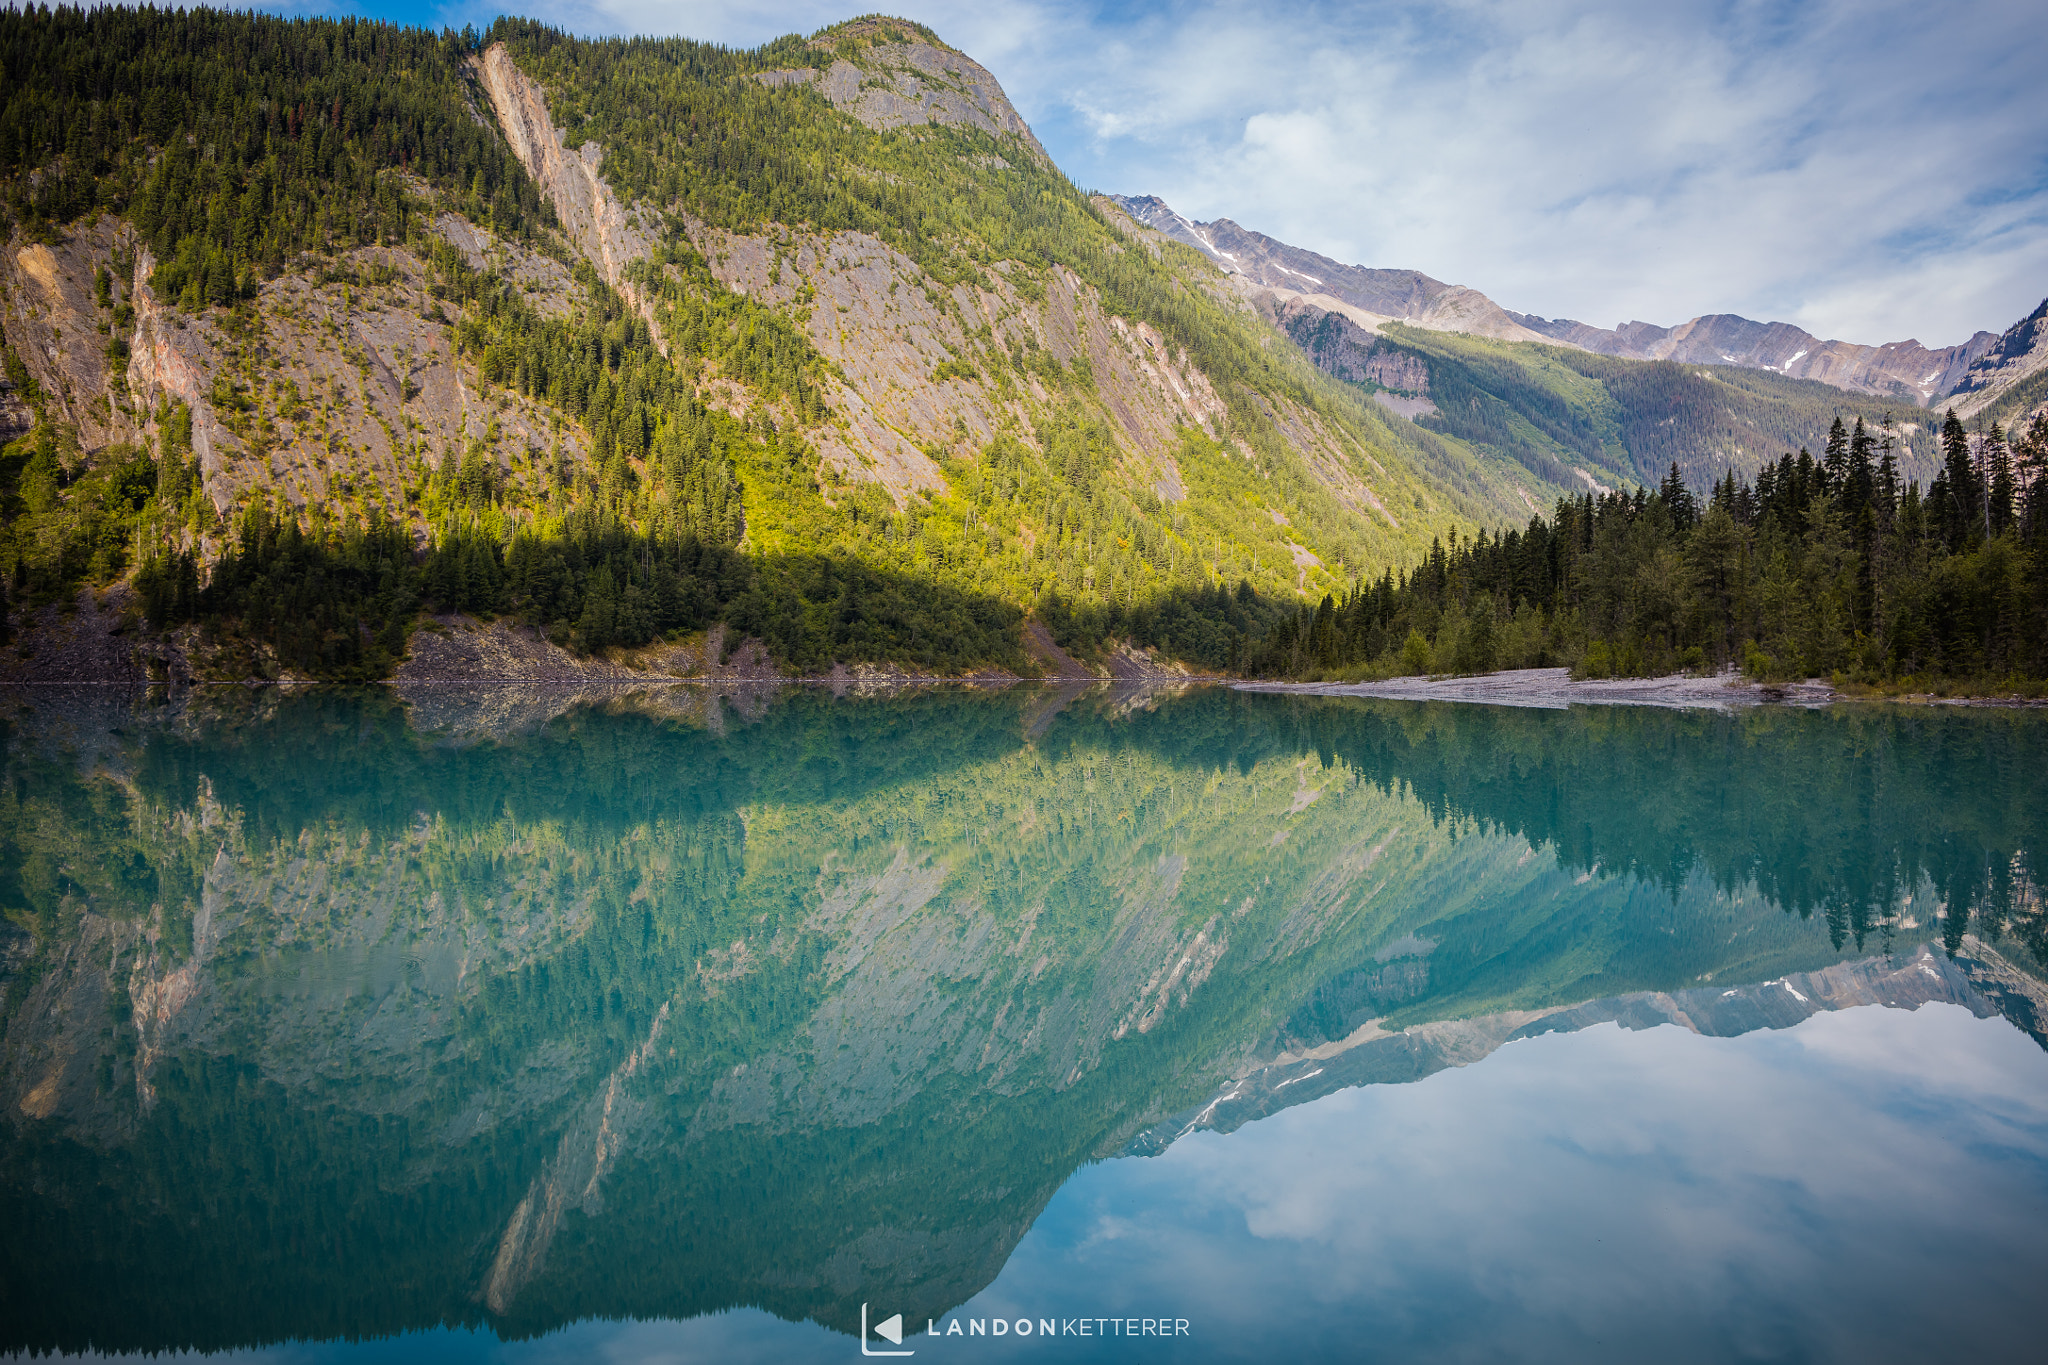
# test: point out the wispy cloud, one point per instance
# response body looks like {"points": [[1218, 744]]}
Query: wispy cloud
{"points": [[1870, 170]]}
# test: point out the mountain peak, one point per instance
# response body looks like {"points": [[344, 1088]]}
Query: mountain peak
{"points": [[876, 30], [1370, 297], [893, 73], [1905, 369]]}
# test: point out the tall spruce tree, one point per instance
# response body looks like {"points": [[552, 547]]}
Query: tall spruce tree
{"points": [[1959, 504], [1834, 461], [2001, 490], [1887, 490], [1861, 483], [1679, 500]]}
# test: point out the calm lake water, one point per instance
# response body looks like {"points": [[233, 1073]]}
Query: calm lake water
{"points": [[514, 1025]]}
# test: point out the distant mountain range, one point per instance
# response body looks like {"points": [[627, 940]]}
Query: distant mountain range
{"points": [[1977, 372]]}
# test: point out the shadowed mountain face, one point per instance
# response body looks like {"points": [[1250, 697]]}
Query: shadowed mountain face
{"points": [[318, 1024]]}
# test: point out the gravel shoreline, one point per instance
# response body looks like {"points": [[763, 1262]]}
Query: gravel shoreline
{"points": [[1553, 689]]}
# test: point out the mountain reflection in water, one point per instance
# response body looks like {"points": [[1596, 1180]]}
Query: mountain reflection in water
{"points": [[327, 1019]]}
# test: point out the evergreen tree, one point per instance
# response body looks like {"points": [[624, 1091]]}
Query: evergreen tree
{"points": [[1679, 499], [2002, 493], [1834, 470], [1957, 501], [1860, 484], [1886, 489]]}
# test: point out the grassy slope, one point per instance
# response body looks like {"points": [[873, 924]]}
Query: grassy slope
{"points": [[1627, 421]]}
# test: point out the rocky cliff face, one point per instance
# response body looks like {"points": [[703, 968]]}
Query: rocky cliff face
{"points": [[2007, 371], [899, 79], [1904, 368], [886, 327], [609, 235], [344, 390], [1917, 373], [61, 334], [1368, 296], [1340, 347]]}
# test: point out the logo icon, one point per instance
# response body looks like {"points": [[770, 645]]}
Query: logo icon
{"points": [[890, 1329]]}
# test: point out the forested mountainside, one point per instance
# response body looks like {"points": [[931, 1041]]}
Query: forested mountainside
{"points": [[316, 327], [811, 340], [1822, 567], [1578, 416]]}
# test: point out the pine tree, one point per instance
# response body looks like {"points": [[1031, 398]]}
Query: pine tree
{"points": [[1958, 504], [2002, 491], [2032, 458], [1678, 498], [1861, 481], [1834, 462], [1886, 491]]}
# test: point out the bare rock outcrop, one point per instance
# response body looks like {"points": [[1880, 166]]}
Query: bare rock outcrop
{"points": [[169, 361], [909, 82], [56, 327], [1340, 347], [1372, 296], [610, 234], [2020, 354], [348, 386], [926, 371]]}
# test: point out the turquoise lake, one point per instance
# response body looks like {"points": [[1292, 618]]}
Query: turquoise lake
{"points": [[675, 1025]]}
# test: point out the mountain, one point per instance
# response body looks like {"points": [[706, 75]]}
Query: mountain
{"points": [[1368, 297], [1899, 370], [325, 330], [635, 340], [1570, 414], [2008, 382]]}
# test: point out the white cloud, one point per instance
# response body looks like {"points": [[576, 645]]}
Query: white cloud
{"points": [[1594, 1196], [1868, 170]]}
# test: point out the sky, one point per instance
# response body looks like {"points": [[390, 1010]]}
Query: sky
{"points": [[1871, 171]]}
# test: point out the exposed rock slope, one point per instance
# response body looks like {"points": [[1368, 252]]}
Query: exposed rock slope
{"points": [[2007, 378], [912, 381], [609, 234], [1369, 297], [1905, 368], [908, 81]]}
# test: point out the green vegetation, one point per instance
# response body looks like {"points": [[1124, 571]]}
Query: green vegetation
{"points": [[286, 141], [242, 146], [1553, 409], [1827, 567], [233, 141]]}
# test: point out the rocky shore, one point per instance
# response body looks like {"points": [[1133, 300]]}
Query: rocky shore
{"points": [[1554, 688], [99, 639]]}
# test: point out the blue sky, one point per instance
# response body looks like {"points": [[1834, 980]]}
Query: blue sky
{"points": [[1872, 171]]}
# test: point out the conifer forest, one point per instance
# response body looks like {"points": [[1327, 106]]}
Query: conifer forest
{"points": [[635, 441]]}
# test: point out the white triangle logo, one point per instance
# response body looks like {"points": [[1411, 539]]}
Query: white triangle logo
{"points": [[891, 1329]]}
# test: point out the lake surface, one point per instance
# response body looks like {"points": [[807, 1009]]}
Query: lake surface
{"points": [[534, 1026]]}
